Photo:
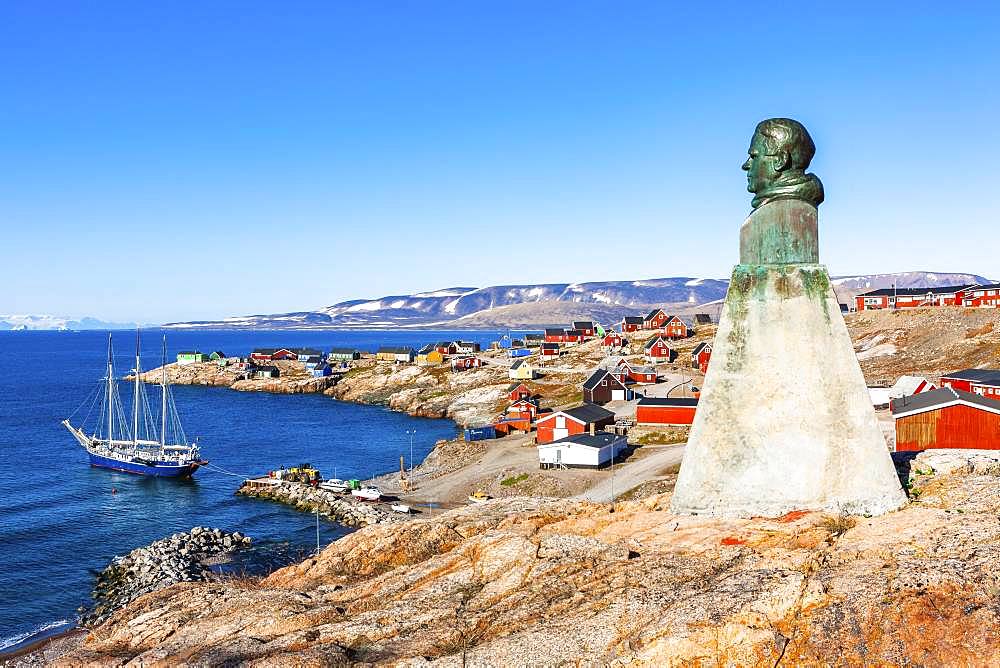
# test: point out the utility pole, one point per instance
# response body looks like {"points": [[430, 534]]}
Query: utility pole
{"points": [[612, 478], [411, 432], [317, 529]]}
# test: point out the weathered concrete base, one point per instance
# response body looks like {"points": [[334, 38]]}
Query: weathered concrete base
{"points": [[784, 421]]}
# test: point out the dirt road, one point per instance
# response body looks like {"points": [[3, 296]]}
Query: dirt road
{"points": [[648, 463]]}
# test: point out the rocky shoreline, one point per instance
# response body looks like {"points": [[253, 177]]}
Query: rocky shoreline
{"points": [[182, 557], [336, 507]]}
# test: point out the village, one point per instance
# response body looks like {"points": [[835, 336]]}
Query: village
{"points": [[563, 411]]}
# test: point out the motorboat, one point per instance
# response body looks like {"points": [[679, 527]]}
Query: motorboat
{"points": [[334, 485], [367, 493], [400, 507]]}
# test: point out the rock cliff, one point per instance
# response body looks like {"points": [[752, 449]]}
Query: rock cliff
{"points": [[547, 582]]}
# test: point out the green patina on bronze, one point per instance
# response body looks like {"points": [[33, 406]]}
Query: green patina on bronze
{"points": [[780, 152]]}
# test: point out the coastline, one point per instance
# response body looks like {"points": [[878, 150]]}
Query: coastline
{"points": [[33, 650]]}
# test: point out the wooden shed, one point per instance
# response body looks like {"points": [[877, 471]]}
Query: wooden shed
{"points": [[666, 410], [946, 418]]}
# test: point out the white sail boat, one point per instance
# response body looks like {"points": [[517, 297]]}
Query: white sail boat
{"points": [[137, 448]]}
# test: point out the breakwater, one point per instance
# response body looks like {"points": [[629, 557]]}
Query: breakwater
{"points": [[339, 508], [182, 557]]}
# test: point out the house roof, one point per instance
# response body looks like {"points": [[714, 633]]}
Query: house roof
{"points": [[889, 292], [701, 346], [396, 350], [307, 351], [426, 349], [519, 363], [633, 319], [652, 314], [533, 337], [343, 351], [589, 413], [514, 386], [550, 346], [597, 377], [583, 324], [265, 351], [573, 332], [991, 286], [668, 401], [935, 399], [313, 359], [641, 369], [444, 344], [593, 441], [703, 318], [984, 376], [653, 341], [190, 352]]}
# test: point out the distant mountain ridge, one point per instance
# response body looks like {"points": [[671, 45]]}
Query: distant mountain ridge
{"points": [[57, 323], [511, 305]]}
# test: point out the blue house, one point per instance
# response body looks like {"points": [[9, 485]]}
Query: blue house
{"points": [[322, 369]]}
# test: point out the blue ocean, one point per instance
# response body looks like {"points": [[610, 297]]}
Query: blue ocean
{"points": [[61, 520]]}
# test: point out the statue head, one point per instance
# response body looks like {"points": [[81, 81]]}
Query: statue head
{"points": [[780, 152]]}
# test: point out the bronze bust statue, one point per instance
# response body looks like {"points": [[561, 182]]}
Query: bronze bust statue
{"points": [[780, 152]]}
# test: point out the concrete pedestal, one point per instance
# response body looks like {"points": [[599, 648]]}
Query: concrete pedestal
{"points": [[784, 421]]}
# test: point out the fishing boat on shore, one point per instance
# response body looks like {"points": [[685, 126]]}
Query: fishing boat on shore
{"points": [[112, 443], [367, 493]]}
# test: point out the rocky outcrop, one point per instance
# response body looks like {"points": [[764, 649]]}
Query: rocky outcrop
{"points": [[338, 507], [549, 582], [183, 557]]}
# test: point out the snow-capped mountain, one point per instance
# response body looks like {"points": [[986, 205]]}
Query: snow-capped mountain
{"points": [[604, 300], [57, 323]]}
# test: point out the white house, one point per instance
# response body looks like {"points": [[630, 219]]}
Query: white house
{"points": [[581, 451]]}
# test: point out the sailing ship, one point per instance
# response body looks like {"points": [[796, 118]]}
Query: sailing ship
{"points": [[137, 448]]}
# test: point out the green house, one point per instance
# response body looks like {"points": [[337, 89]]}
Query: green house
{"points": [[191, 357], [217, 355]]}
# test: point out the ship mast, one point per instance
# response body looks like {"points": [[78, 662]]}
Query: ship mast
{"points": [[135, 395], [111, 431], [163, 395]]}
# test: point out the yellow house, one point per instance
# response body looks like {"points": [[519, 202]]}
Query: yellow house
{"points": [[522, 370], [428, 356]]}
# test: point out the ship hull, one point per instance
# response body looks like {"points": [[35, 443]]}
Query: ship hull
{"points": [[156, 469]]}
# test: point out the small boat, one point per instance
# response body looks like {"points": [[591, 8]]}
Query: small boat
{"points": [[334, 485], [367, 493], [479, 496], [400, 507]]}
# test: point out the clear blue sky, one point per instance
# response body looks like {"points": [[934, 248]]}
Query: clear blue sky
{"points": [[164, 161]]}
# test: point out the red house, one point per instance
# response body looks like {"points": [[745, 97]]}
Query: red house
{"points": [[982, 296], [984, 382], [635, 373], [658, 350], [463, 363], [269, 354], [676, 328], [631, 323], [446, 348], [585, 327], [550, 349], [580, 420], [521, 409], [946, 418], [518, 391], [613, 341], [654, 319], [666, 410], [954, 295], [700, 356]]}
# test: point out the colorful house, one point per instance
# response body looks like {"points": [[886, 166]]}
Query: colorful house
{"points": [[946, 418], [666, 410], [590, 451], [604, 386], [982, 296], [264, 371], [657, 350], [632, 323], [984, 382], [217, 355], [186, 357], [613, 341], [343, 355], [397, 354], [445, 347], [429, 356], [533, 340], [518, 391], [466, 347], [321, 370], [302, 354], [655, 319], [645, 375], [550, 349], [465, 363], [312, 361], [587, 418], [954, 295], [522, 370], [700, 356], [676, 327], [585, 327], [553, 335]]}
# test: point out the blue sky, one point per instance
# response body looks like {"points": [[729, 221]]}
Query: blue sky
{"points": [[165, 161]]}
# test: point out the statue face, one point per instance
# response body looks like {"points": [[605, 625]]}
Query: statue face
{"points": [[762, 169]]}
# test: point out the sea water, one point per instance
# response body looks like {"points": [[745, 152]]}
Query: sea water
{"points": [[61, 521]]}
